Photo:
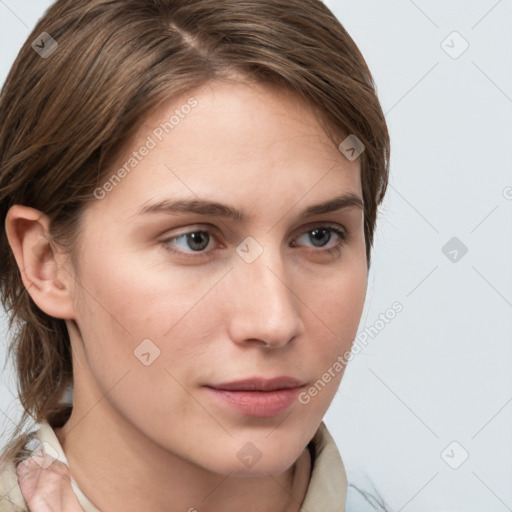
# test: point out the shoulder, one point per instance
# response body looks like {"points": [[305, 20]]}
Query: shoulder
{"points": [[11, 499]]}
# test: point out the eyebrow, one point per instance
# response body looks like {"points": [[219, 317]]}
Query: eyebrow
{"points": [[216, 209]]}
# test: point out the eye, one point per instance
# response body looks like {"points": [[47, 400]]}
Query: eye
{"points": [[322, 235], [194, 243]]}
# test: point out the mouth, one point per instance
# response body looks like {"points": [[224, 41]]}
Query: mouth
{"points": [[259, 384], [257, 397]]}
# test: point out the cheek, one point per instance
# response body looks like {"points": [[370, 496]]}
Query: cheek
{"points": [[137, 338], [342, 299], [338, 308], [129, 300], [344, 304]]}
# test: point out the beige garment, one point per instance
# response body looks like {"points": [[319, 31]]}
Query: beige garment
{"points": [[327, 490]]}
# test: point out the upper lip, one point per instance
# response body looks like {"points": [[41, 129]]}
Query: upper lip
{"points": [[259, 384]]}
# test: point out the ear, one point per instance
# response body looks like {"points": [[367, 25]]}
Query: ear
{"points": [[41, 265]]}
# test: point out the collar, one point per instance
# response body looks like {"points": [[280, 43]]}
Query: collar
{"points": [[327, 489], [9, 480]]}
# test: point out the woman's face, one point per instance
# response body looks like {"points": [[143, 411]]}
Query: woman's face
{"points": [[162, 315]]}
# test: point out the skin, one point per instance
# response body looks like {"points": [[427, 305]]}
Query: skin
{"points": [[46, 486], [151, 437]]}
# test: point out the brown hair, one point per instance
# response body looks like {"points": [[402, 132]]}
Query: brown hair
{"points": [[64, 116]]}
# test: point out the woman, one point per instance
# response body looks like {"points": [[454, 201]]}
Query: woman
{"points": [[189, 191]]}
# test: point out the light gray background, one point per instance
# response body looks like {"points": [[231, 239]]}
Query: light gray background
{"points": [[440, 371]]}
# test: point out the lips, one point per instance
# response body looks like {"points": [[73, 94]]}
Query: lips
{"points": [[258, 397], [259, 384]]}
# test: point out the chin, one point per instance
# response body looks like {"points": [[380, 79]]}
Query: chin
{"points": [[259, 470], [246, 461]]}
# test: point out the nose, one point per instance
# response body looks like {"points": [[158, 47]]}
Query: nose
{"points": [[265, 307]]}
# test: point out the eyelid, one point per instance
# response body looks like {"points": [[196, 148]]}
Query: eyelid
{"points": [[193, 228]]}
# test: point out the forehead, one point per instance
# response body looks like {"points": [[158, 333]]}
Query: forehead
{"points": [[249, 118], [227, 141]]}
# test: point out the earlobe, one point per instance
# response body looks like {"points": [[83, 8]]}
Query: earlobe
{"points": [[39, 261]]}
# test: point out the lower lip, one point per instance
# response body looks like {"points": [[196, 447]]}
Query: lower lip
{"points": [[262, 404]]}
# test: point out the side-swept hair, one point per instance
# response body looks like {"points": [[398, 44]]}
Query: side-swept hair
{"points": [[64, 116]]}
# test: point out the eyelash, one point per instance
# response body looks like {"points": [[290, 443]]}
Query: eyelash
{"points": [[342, 233]]}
